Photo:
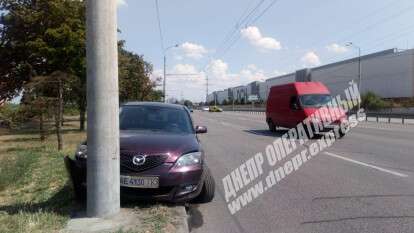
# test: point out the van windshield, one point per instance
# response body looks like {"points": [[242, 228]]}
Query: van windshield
{"points": [[315, 100]]}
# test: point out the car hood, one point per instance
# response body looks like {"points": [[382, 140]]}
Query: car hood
{"points": [[158, 143]]}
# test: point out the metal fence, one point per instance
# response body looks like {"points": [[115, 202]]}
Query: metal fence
{"points": [[389, 117]]}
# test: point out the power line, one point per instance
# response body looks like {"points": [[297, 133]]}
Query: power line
{"points": [[234, 28], [386, 19], [159, 25], [249, 21], [347, 34], [236, 31], [263, 12]]}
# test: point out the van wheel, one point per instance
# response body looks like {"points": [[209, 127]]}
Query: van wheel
{"points": [[272, 126], [208, 190], [343, 132]]}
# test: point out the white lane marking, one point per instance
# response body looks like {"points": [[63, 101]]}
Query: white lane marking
{"points": [[366, 165]]}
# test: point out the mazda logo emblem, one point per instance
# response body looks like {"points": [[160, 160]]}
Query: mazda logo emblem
{"points": [[138, 160]]}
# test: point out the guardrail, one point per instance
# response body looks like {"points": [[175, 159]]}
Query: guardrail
{"points": [[378, 116], [389, 116]]}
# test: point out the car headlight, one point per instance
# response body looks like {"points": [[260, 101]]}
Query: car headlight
{"points": [[81, 151], [189, 159]]}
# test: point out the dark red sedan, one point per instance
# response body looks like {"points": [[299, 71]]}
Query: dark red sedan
{"points": [[160, 155]]}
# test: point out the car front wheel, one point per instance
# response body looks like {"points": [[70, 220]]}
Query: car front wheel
{"points": [[208, 190]]}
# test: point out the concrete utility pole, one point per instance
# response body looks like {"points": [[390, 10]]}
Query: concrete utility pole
{"points": [[350, 44], [207, 90], [164, 81], [165, 71], [103, 197]]}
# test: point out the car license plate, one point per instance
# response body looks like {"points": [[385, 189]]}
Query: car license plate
{"points": [[140, 181]]}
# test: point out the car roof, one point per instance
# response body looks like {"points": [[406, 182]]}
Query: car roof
{"points": [[302, 88], [154, 104]]}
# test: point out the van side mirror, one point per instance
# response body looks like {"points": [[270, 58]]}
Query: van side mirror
{"points": [[294, 103], [200, 129]]}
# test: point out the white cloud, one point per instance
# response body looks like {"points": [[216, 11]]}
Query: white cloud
{"points": [[192, 50], [121, 2], [278, 73], [156, 75], [187, 85], [178, 57], [252, 67], [190, 75], [219, 69], [252, 75], [222, 78], [336, 48], [311, 59], [254, 36], [184, 69]]}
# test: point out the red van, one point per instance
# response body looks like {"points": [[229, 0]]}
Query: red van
{"points": [[290, 104]]}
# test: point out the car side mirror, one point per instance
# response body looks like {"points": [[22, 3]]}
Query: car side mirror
{"points": [[201, 129]]}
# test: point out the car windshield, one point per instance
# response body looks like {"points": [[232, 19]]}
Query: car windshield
{"points": [[315, 100], [155, 118]]}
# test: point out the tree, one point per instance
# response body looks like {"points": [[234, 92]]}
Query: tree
{"points": [[188, 103], [38, 38], [134, 77], [371, 101]]}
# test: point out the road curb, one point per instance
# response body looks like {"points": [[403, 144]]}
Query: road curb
{"points": [[182, 227], [127, 220]]}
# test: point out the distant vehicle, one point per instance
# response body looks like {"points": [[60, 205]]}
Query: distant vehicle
{"points": [[160, 156], [215, 109], [205, 109], [290, 104]]}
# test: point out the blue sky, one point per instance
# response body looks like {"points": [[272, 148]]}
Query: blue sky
{"points": [[291, 35]]}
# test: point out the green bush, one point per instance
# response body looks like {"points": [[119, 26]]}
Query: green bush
{"points": [[371, 101], [8, 114]]}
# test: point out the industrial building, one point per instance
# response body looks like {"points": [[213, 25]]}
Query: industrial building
{"points": [[388, 73]]}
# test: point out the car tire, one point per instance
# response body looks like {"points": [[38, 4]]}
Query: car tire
{"points": [[272, 126], [207, 192]]}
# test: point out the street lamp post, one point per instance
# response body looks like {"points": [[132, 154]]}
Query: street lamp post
{"points": [[165, 71], [350, 44]]}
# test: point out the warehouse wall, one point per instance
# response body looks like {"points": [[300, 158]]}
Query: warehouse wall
{"points": [[221, 96], [389, 75]]}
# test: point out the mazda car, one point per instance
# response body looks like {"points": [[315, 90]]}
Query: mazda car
{"points": [[160, 155]]}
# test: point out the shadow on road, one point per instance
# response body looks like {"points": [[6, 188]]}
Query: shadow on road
{"points": [[279, 133], [195, 219], [265, 132]]}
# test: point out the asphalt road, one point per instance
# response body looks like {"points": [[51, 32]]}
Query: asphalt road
{"points": [[363, 183]]}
